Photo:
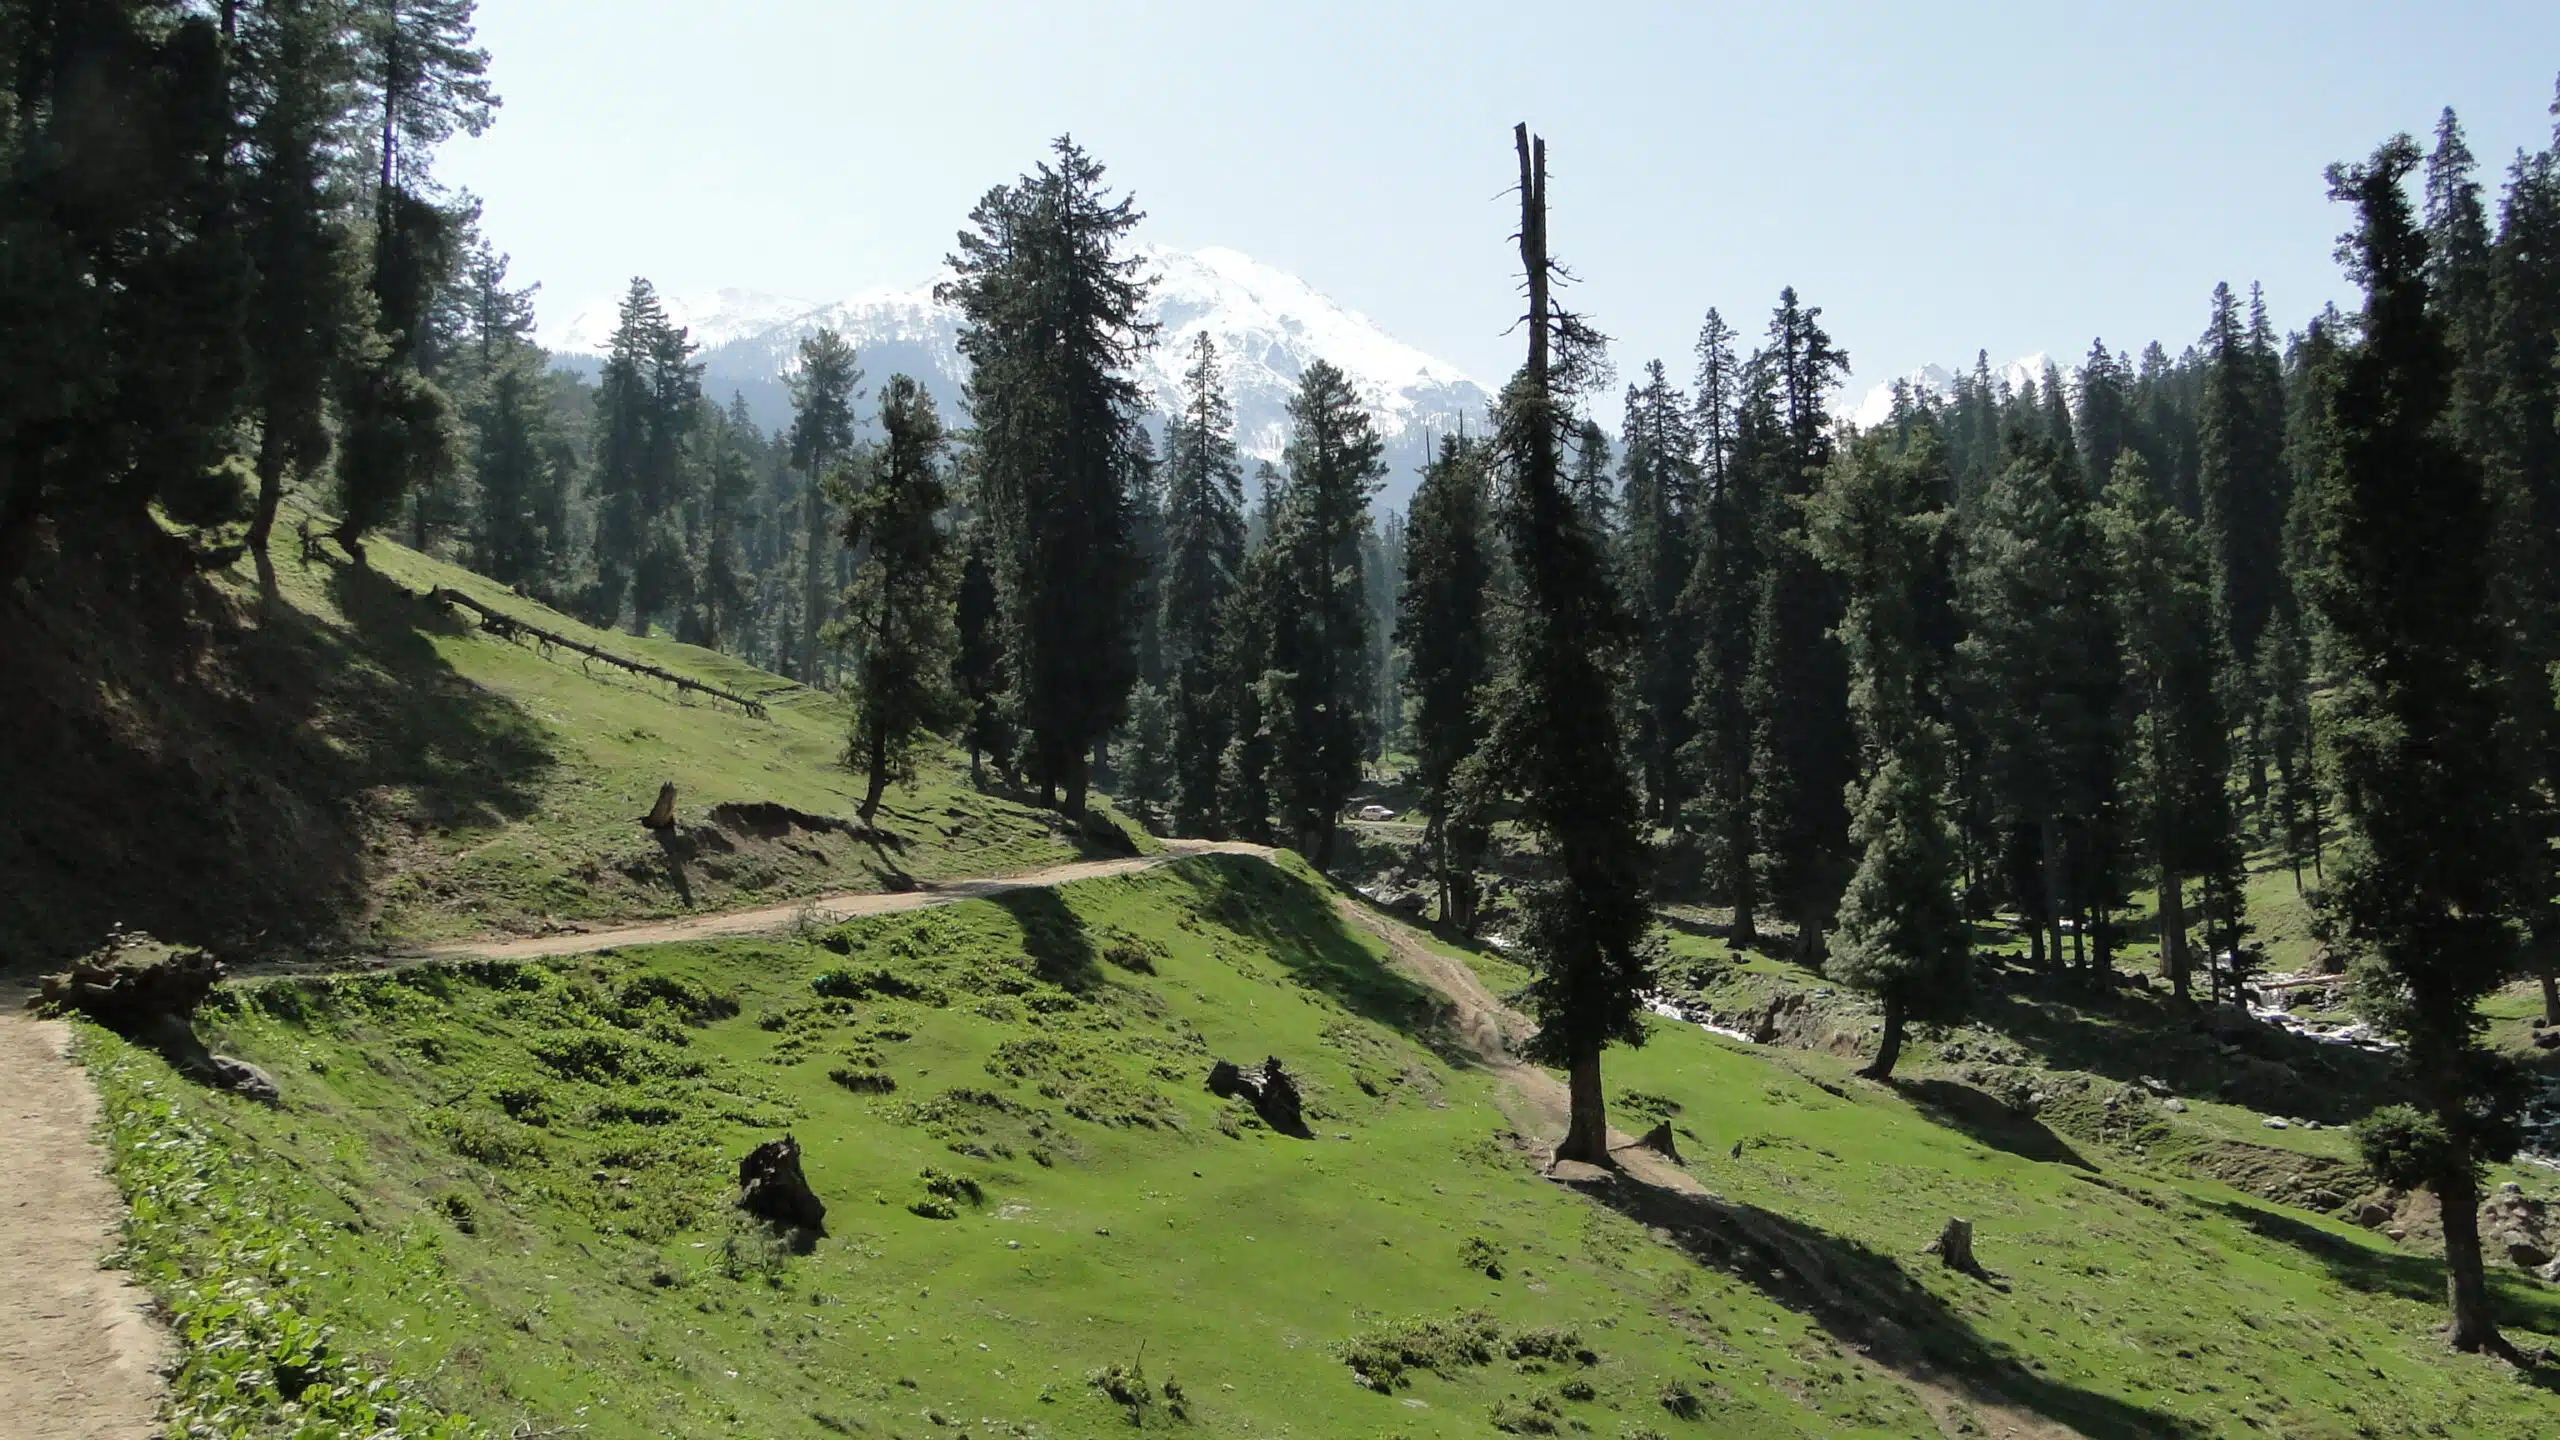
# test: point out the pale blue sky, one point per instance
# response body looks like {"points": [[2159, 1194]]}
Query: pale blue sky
{"points": [[1939, 177]]}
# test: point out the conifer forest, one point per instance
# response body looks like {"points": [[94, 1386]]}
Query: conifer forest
{"points": [[1669, 904]]}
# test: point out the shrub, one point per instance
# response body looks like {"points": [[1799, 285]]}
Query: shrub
{"points": [[1538, 1417], [863, 1082], [1479, 1253], [1381, 1358], [1682, 1401]]}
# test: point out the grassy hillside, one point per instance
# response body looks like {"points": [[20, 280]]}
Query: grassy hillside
{"points": [[356, 769], [504, 1190]]}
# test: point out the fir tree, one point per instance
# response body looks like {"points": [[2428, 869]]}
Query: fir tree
{"points": [[979, 666], [1320, 652], [2427, 882], [1204, 543], [1879, 523], [513, 464], [822, 393], [1802, 746], [898, 614], [1735, 409], [1659, 554], [1555, 741], [297, 68], [2163, 602], [1051, 321], [1442, 624]]}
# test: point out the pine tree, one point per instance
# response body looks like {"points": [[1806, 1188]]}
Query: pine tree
{"points": [[898, 613], [2427, 882], [1659, 554], [296, 67], [822, 393], [1555, 741], [730, 486], [1735, 409], [512, 462], [1442, 624], [979, 667], [2106, 410], [1051, 314], [2163, 598], [2042, 677], [1204, 542], [1150, 752], [648, 399], [1320, 645], [1880, 524], [1802, 746]]}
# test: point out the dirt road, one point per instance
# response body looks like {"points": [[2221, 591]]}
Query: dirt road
{"points": [[821, 910], [80, 1355]]}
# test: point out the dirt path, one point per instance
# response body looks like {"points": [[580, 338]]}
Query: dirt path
{"points": [[80, 1356], [820, 910], [1683, 1212]]}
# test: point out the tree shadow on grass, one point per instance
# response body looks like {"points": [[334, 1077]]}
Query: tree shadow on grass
{"points": [[1299, 928], [223, 777], [2396, 1273], [1862, 1297], [1983, 1119], [1053, 935]]}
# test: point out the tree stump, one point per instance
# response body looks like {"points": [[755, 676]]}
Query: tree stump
{"points": [[1954, 1247], [1658, 1140], [1268, 1088], [771, 1184], [662, 816]]}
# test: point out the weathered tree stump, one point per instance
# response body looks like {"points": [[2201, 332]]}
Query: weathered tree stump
{"points": [[662, 816], [770, 1184], [1273, 1095], [132, 984], [1658, 1140], [1954, 1247]]}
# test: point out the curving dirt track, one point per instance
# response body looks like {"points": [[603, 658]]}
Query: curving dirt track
{"points": [[80, 1354]]}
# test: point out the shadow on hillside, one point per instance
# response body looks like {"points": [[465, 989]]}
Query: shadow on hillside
{"points": [[2416, 1278], [1862, 1298], [2125, 1035], [1298, 927], [1985, 1120], [1053, 936], [180, 765]]}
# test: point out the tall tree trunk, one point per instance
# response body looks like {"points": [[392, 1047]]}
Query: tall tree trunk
{"points": [[2550, 993], [879, 766], [813, 597], [1889, 1049], [1078, 777], [262, 524], [2173, 933], [2049, 915], [2474, 1326], [1745, 933], [1586, 1136]]}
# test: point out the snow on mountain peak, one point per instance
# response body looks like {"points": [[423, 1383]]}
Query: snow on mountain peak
{"points": [[1938, 382], [1267, 324]]}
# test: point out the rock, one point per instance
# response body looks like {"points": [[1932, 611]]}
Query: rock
{"points": [[2154, 1085], [2273, 1123], [2174, 1105], [242, 1078], [2518, 1227], [2528, 1256], [771, 1184], [1273, 1095], [2547, 1040], [2550, 1272], [2373, 1214], [2397, 1233]]}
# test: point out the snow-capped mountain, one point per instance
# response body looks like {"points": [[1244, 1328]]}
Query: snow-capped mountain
{"points": [[714, 317], [1876, 406], [1267, 324]]}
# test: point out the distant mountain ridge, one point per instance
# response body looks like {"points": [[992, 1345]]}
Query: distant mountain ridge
{"points": [[1875, 406], [1268, 326]]}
